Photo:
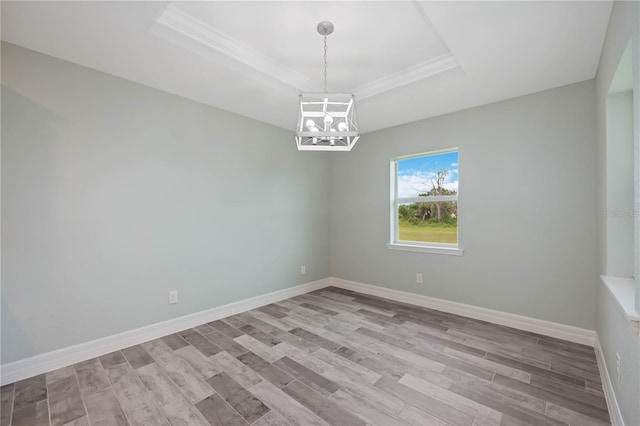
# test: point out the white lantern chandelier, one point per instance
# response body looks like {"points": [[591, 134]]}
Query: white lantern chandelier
{"points": [[326, 121]]}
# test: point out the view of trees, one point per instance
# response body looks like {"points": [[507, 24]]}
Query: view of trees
{"points": [[431, 221], [438, 212]]}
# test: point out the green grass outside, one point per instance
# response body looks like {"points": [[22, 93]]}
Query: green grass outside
{"points": [[428, 234]]}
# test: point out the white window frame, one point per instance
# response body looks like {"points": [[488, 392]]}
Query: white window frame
{"points": [[395, 202]]}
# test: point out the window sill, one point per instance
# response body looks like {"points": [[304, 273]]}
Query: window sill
{"points": [[451, 251], [623, 292]]}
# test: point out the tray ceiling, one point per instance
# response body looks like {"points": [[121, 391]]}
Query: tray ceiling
{"points": [[404, 60]]}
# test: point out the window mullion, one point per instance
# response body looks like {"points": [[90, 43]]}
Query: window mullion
{"points": [[428, 199]]}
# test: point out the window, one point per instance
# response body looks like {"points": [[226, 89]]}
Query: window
{"points": [[424, 202]]}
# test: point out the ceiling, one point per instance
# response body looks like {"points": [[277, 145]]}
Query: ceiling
{"points": [[404, 60]]}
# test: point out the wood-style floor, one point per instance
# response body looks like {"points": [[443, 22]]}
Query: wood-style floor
{"points": [[328, 357]]}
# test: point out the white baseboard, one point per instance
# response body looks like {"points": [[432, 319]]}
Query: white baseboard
{"points": [[28, 367], [610, 396], [53, 360], [547, 328]]}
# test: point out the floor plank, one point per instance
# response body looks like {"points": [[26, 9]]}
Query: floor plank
{"points": [[365, 410], [174, 341], [91, 377], [112, 359], [29, 391], [581, 406], [251, 344], [309, 377], [198, 341], [331, 356], [35, 414], [199, 362], [236, 369], [453, 399], [445, 412], [180, 371], [226, 343], [104, 409], [247, 405], [266, 370], [137, 356], [225, 329], [138, 404], [181, 413], [416, 417], [219, 413], [272, 418], [159, 383], [277, 400], [61, 373], [324, 408], [6, 404], [65, 401]]}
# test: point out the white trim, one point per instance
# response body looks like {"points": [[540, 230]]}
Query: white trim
{"points": [[547, 328], [424, 154], [607, 386], [188, 32], [406, 76], [53, 360], [452, 251], [623, 292]]}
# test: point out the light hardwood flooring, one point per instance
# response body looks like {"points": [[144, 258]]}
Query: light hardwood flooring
{"points": [[328, 357]]}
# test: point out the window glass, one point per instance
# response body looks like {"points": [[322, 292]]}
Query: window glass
{"points": [[425, 199]]}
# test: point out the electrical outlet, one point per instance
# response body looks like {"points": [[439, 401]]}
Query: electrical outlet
{"points": [[303, 269], [173, 297], [618, 369], [419, 278]]}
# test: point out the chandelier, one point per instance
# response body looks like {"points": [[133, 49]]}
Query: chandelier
{"points": [[326, 121]]}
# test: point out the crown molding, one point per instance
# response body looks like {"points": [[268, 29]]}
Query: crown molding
{"points": [[188, 32], [184, 30], [406, 76]]}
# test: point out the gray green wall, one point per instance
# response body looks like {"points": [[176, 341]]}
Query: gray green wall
{"points": [[619, 184], [526, 207], [613, 328], [114, 193]]}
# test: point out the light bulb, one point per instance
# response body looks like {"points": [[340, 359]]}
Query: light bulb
{"points": [[332, 138], [328, 120], [310, 123], [313, 128], [342, 126]]}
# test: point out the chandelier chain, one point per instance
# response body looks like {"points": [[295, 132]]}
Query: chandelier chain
{"points": [[325, 64]]}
